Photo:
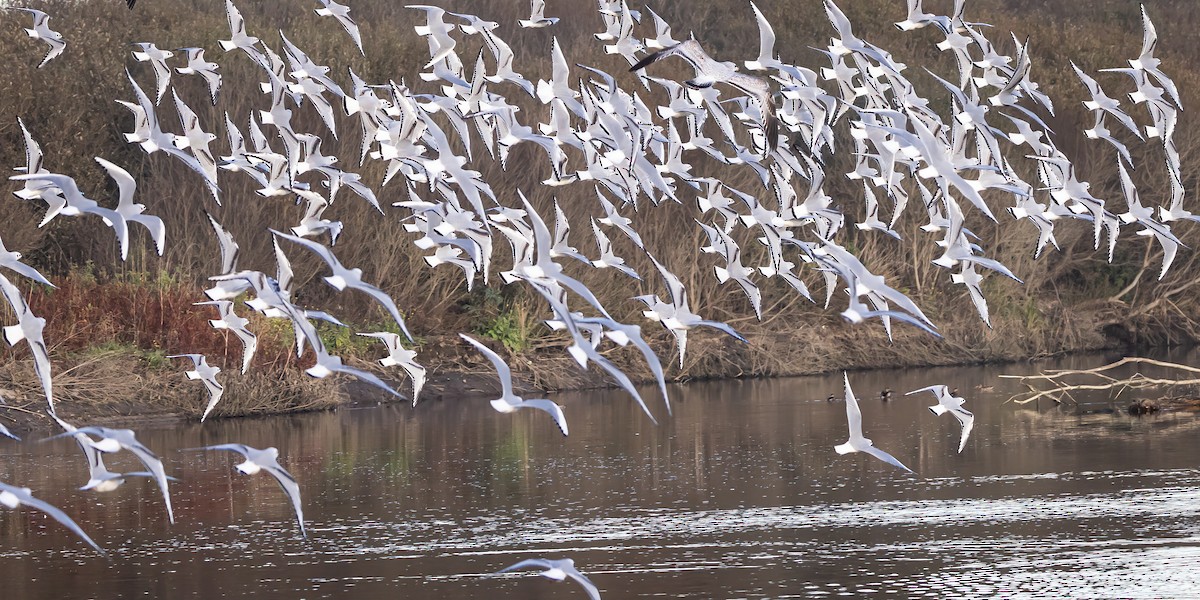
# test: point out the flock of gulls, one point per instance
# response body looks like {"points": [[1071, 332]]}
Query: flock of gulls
{"points": [[636, 148]]}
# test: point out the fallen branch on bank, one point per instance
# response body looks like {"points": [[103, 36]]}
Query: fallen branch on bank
{"points": [[1060, 389]]}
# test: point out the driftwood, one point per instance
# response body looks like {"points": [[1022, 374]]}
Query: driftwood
{"points": [[1059, 389]]}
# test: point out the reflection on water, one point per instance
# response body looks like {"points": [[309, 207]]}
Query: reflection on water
{"points": [[739, 494]]}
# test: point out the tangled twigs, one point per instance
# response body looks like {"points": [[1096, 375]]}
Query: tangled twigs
{"points": [[1059, 388]]}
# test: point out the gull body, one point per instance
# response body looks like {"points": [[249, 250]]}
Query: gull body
{"points": [[949, 403], [557, 570], [207, 374], [267, 460], [508, 400], [197, 65], [858, 443], [399, 356], [100, 479], [41, 31], [29, 328], [537, 17], [113, 440], [157, 58]]}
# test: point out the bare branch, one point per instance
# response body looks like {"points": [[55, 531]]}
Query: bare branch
{"points": [[1137, 381]]}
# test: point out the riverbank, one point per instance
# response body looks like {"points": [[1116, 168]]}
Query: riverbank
{"points": [[122, 383]]}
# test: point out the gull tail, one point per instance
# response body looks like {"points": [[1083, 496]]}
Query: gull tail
{"points": [[13, 334]]}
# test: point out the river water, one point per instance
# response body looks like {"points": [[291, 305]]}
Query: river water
{"points": [[738, 495]]}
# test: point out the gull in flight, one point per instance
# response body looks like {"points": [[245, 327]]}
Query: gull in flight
{"points": [[399, 356], [1146, 62], [78, 204], [29, 328], [557, 570], [146, 131], [113, 440], [341, 12], [537, 17], [662, 33], [230, 289], [207, 374], [1144, 216], [858, 443], [157, 58], [918, 18], [267, 460], [607, 258], [41, 31], [441, 45], [12, 497], [8, 434], [131, 211], [237, 324], [238, 36], [100, 478], [508, 401], [949, 403], [710, 71], [328, 364], [676, 315], [195, 140], [343, 278], [33, 189], [196, 65]]}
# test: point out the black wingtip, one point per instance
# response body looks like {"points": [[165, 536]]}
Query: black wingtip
{"points": [[131, 3], [641, 64]]}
